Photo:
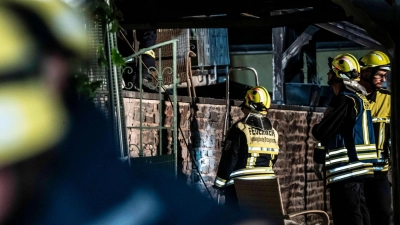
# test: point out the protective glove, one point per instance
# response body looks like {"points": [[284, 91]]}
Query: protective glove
{"points": [[318, 168]]}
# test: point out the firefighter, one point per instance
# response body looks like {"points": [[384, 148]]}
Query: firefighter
{"points": [[348, 139], [251, 146], [374, 70]]}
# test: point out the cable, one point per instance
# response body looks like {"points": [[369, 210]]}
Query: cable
{"points": [[190, 152]]}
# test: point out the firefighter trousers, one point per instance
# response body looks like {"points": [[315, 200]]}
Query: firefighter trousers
{"points": [[379, 199], [348, 204]]}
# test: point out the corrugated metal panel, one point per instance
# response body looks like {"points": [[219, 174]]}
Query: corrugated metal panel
{"points": [[115, 97], [96, 72], [211, 46], [108, 95], [183, 48]]}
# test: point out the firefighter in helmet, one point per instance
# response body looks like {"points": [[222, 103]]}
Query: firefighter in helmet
{"points": [[375, 67], [251, 146], [348, 139]]}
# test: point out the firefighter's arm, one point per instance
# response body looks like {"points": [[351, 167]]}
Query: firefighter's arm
{"points": [[228, 158], [332, 121], [318, 170]]}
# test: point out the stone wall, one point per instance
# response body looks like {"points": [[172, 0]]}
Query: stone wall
{"points": [[150, 118], [300, 188], [201, 133]]}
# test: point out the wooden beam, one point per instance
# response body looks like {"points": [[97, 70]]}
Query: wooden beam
{"points": [[181, 8], [290, 19], [353, 33], [368, 20], [310, 51], [297, 45], [278, 79]]}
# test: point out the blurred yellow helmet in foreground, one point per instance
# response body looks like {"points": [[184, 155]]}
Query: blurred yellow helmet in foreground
{"points": [[44, 24], [32, 119]]}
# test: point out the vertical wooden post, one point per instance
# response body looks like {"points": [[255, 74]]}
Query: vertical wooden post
{"points": [[278, 75], [310, 51]]}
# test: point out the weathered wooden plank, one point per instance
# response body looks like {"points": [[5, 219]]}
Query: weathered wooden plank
{"points": [[212, 47]]}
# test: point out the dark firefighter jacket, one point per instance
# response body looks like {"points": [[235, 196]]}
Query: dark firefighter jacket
{"points": [[347, 136], [379, 101], [250, 151]]}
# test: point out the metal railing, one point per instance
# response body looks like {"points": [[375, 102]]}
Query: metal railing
{"points": [[226, 123], [158, 86]]}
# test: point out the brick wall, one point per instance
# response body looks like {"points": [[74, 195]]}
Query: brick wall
{"points": [[201, 133]]}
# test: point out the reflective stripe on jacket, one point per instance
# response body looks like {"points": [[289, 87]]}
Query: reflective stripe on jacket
{"points": [[346, 132], [380, 110], [344, 161]]}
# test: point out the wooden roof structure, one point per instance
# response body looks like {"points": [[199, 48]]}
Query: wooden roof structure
{"points": [[255, 14]]}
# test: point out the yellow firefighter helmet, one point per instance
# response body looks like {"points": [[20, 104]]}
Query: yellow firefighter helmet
{"points": [[257, 99], [375, 59], [345, 66]]}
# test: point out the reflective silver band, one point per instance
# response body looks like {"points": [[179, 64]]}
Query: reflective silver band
{"points": [[252, 177], [354, 173], [264, 149], [350, 166], [335, 152], [378, 168], [364, 152], [263, 152], [381, 120], [359, 148], [381, 168], [381, 135], [331, 161], [365, 147], [255, 170], [362, 157], [365, 128], [219, 182]]}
